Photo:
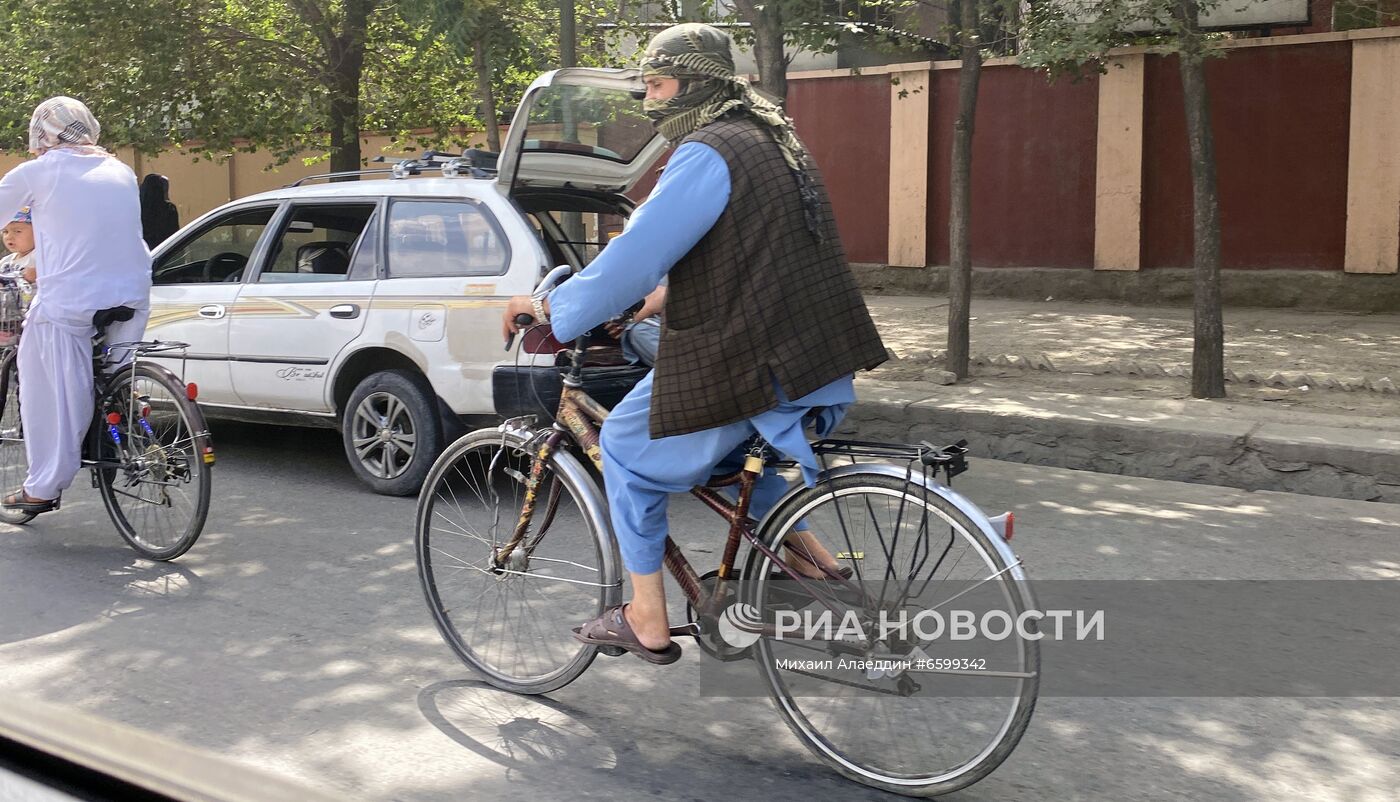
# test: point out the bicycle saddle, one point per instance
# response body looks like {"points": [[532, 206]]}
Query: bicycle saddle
{"points": [[106, 317]]}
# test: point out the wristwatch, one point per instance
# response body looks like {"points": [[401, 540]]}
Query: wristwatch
{"points": [[537, 302]]}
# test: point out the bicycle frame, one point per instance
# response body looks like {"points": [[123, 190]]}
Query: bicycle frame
{"points": [[578, 420]]}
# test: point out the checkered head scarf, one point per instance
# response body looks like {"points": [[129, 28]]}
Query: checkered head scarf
{"points": [[699, 56], [63, 122]]}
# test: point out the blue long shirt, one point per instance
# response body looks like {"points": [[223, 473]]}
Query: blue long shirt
{"points": [[691, 195]]}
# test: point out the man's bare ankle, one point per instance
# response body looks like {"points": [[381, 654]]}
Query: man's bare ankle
{"points": [[653, 634]]}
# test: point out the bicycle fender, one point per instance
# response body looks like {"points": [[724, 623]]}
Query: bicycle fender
{"points": [[595, 506], [958, 500], [204, 442]]}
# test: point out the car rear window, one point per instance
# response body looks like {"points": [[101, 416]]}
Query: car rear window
{"points": [[444, 238]]}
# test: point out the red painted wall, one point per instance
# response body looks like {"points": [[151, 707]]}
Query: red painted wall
{"points": [[845, 124], [1280, 117], [1033, 154]]}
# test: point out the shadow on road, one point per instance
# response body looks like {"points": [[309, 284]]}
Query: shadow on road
{"points": [[294, 636]]}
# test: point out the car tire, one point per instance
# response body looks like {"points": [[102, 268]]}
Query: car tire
{"points": [[398, 410]]}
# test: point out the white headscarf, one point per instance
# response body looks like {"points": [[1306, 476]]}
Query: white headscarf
{"points": [[63, 122]]}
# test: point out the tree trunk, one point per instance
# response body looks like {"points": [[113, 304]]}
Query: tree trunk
{"points": [[1208, 350], [568, 35], [766, 21], [345, 127], [960, 208], [488, 97], [347, 60]]}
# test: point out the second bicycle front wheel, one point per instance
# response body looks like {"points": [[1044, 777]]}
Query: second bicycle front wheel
{"points": [[153, 477], [14, 463], [510, 619], [888, 694]]}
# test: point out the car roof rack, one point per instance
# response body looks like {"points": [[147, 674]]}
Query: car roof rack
{"points": [[473, 163]]}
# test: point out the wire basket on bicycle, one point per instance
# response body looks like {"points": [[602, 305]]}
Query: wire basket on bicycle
{"points": [[14, 302]]}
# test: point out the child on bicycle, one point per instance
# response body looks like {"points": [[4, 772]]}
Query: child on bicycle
{"points": [[17, 274], [18, 236]]}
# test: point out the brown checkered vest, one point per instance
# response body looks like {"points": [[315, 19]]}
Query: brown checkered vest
{"points": [[758, 298]]}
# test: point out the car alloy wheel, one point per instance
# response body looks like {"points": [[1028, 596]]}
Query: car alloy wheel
{"points": [[384, 437]]}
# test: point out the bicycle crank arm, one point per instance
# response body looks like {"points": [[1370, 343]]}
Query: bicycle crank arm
{"points": [[687, 630]]}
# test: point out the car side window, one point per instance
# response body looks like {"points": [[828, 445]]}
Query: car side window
{"points": [[316, 243], [217, 252], [444, 238], [364, 264]]}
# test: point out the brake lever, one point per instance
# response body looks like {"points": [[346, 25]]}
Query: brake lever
{"points": [[521, 319]]}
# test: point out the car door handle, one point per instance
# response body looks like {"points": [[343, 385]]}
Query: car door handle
{"points": [[345, 311], [212, 311]]}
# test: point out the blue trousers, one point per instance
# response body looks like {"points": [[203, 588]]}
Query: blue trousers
{"points": [[640, 341], [642, 473]]}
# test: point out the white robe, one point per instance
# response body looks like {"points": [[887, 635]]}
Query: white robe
{"points": [[87, 235], [56, 398]]}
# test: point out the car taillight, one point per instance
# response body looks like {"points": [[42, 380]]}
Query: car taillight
{"points": [[540, 340]]}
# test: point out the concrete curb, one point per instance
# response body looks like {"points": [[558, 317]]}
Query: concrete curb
{"points": [[1122, 438], [1300, 289], [1141, 368]]}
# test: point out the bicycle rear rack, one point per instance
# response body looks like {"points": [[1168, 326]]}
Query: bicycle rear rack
{"points": [[950, 459]]}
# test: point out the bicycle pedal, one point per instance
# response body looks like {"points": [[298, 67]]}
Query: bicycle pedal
{"points": [[612, 651]]}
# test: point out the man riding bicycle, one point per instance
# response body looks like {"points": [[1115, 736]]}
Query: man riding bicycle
{"points": [[763, 325], [87, 231]]}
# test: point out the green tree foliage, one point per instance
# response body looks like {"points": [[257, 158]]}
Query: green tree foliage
{"points": [[284, 76], [508, 44], [777, 29]]}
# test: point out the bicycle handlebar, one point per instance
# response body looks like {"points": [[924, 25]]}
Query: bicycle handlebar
{"points": [[521, 319]]}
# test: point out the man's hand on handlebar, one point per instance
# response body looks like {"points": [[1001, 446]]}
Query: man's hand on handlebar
{"points": [[650, 306], [517, 305], [520, 312]]}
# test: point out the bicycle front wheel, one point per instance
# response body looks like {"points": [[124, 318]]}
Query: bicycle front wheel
{"points": [[14, 463], [894, 707], [152, 475], [509, 618]]}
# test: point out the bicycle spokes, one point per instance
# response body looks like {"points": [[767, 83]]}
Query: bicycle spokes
{"points": [[150, 468]]}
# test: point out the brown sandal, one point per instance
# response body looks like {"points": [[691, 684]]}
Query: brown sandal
{"points": [[21, 501], [611, 629]]}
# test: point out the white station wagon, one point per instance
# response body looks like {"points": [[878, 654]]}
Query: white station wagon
{"points": [[374, 305]]}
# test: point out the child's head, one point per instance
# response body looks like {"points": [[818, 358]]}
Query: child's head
{"points": [[18, 234]]}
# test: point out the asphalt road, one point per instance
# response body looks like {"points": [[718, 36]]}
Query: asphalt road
{"points": [[294, 637]]}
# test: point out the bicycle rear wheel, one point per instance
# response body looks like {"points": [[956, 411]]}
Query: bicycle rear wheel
{"points": [[153, 479], [511, 622], [936, 720], [14, 463]]}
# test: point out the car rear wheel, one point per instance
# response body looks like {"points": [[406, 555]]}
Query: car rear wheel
{"points": [[391, 431]]}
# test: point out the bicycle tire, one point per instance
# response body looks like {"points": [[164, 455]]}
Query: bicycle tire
{"points": [[14, 463], [439, 537], [159, 461], [801, 504]]}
